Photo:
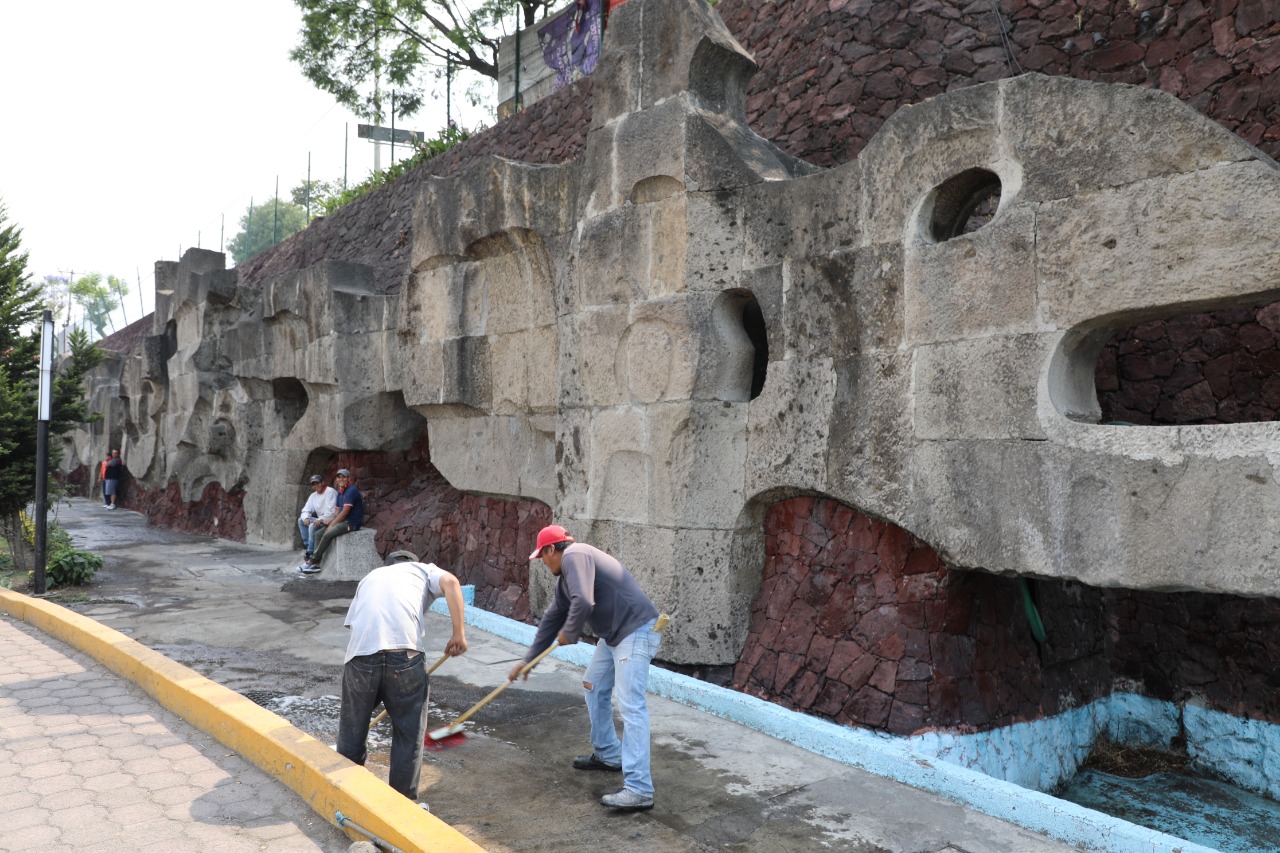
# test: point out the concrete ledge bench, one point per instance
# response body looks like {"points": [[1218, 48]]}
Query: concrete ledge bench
{"points": [[350, 557]]}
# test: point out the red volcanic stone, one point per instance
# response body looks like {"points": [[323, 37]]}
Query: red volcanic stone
{"points": [[766, 669], [838, 614], [1203, 73], [831, 700], [1238, 98], [819, 655], [913, 669], [884, 676], [893, 546], [859, 671], [878, 624], [952, 654], [1196, 402], [1114, 56], [843, 654], [922, 558], [905, 718], [788, 666], [797, 631], [1218, 374], [918, 588], [863, 536], [869, 707], [805, 690], [891, 647], [911, 615]]}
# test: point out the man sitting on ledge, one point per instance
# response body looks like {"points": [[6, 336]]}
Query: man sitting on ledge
{"points": [[318, 511], [350, 516]]}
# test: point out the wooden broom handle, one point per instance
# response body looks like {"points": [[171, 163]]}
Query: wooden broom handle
{"points": [[524, 670]]}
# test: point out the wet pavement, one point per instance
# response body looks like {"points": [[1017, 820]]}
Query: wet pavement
{"points": [[237, 614]]}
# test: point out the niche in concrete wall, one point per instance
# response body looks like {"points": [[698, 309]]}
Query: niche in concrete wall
{"points": [[1214, 367], [290, 400], [961, 205], [743, 344]]}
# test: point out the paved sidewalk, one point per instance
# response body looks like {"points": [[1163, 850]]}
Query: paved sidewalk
{"points": [[92, 764]]}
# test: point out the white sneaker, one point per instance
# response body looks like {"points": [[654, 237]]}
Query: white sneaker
{"points": [[113, 506]]}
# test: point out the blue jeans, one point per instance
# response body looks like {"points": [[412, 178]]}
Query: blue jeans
{"points": [[399, 680], [624, 668], [310, 535]]}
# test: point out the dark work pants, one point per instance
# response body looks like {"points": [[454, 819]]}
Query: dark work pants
{"points": [[399, 680]]}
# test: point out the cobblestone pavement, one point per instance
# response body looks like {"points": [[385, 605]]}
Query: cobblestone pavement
{"points": [[92, 764]]}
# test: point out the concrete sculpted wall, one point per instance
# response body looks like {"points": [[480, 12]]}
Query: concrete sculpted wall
{"points": [[657, 341]]}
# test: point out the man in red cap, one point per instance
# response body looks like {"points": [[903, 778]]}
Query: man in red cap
{"points": [[594, 590]]}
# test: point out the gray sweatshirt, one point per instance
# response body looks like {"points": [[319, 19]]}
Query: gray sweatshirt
{"points": [[595, 591]]}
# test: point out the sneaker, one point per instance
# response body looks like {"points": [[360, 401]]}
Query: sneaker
{"points": [[627, 800], [309, 568], [111, 506], [424, 807], [594, 762]]}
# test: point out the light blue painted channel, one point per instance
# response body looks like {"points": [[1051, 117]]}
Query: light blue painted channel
{"points": [[890, 757]]}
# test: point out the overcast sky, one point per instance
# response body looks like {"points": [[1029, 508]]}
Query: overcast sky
{"points": [[131, 131]]}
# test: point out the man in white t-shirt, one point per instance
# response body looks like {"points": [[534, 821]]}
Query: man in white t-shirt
{"points": [[317, 512], [384, 661]]}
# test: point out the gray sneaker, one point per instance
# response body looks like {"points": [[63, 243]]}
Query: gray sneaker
{"points": [[627, 800]]}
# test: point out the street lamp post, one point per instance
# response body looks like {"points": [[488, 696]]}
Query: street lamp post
{"points": [[42, 447]]}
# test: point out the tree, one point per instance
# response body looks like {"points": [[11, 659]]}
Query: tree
{"points": [[321, 193], [358, 50], [21, 303], [264, 225], [99, 299]]}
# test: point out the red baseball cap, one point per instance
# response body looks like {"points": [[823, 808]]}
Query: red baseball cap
{"points": [[550, 535]]}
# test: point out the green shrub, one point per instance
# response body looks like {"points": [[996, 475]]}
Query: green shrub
{"points": [[72, 566], [424, 151], [66, 564]]}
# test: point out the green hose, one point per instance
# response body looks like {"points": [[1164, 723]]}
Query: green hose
{"points": [[1033, 615]]}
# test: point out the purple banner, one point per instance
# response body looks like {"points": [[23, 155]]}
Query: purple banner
{"points": [[571, 43]]}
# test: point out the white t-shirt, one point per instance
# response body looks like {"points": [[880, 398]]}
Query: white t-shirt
{"points": [[320, 506], [387, 611]]}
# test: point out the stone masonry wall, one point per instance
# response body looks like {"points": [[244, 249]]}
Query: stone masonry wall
{"points": [[831, 71], [1215, 368], [858, 622]]}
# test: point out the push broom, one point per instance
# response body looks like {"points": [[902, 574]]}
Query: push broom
{"points": [[452, 735]]}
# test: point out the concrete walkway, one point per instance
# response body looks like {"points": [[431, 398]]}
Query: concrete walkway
{"points": [[238, 615], [90, 763]]}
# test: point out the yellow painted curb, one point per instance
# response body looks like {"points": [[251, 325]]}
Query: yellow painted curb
{"points": [[327, 781]]}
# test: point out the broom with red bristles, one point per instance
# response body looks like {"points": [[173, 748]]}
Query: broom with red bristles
{"points": [[452, 734]]}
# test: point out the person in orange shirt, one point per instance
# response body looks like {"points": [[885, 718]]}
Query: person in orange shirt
{"points": [[102, 476]]}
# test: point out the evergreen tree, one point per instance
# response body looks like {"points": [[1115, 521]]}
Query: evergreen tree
{"points": [[21, 304]]}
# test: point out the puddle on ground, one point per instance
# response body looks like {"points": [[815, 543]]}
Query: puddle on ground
{"points": [[1214, 814], [318, 717]]}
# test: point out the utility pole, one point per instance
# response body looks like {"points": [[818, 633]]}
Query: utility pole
{"points": [[43, 415]]}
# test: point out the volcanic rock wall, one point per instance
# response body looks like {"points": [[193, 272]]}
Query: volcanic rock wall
{"points": [[659, 340], [859, 622]]}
